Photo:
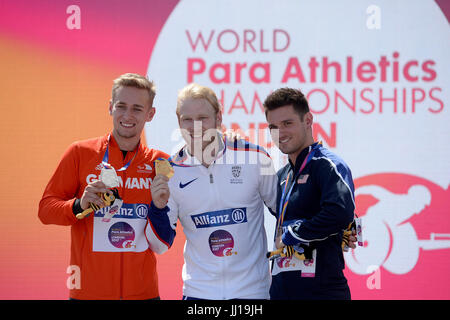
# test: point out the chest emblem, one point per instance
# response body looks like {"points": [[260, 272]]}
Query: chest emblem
{"points": [[236, 173], [302, 178]]}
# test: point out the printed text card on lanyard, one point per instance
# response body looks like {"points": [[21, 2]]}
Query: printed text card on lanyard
{"points": [[117, 233]]}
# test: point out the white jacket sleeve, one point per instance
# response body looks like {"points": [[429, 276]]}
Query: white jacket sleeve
{"points": [[268, 182]]}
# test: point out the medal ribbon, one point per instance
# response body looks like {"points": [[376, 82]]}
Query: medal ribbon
{"points": [[106, 158]]}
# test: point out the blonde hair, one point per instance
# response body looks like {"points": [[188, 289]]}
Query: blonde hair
{"points": [[136, 81], [196, 91]]}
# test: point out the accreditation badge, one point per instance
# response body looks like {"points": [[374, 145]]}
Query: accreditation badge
{"points": [[307, 267], [297, 261], [122, 231]]}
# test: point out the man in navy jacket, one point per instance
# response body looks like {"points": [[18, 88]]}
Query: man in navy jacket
{"points": [[315, 203]]}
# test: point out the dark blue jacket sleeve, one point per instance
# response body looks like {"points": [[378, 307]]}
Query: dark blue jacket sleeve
{"points": [[159, 231], [336, 206]]}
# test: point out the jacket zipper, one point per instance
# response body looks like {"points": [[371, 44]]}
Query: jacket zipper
{"points": [[211, 181]]}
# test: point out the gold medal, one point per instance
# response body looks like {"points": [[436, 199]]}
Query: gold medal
{"points": [[162, 166]]}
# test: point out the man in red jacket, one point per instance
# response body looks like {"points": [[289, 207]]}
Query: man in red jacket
{"points": [[114, 250]]}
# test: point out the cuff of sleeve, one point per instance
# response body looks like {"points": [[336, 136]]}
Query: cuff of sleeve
{"points": [[289, 237], [155, 210], [76, 207]]}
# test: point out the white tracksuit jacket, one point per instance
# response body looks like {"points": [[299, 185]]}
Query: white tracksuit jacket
{"points": [[221, 209]]}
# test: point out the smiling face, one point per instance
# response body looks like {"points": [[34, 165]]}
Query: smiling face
{"points": [[131, 109], [198, 122], [289, 131]]}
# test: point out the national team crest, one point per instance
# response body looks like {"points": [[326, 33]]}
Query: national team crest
{"points": [[236, 171]]}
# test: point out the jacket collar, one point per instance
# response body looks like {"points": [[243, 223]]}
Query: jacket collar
{"points": [[184, 158], [114, 146], [301, 157]]}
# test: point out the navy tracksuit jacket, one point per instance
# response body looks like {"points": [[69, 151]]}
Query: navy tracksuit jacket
{"points": [[321, 205]]}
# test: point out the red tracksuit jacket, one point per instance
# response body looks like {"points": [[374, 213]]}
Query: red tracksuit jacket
{"points": [[115, 258]]}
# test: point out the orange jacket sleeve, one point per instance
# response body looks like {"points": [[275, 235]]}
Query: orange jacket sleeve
{"points": [[56, 204]]}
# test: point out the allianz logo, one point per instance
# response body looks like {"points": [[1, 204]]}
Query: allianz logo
{"points": [[135, 211], [220, 218]]}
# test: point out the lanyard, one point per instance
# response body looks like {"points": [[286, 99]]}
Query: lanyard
{"points": [[284, 200], [106, 158]]}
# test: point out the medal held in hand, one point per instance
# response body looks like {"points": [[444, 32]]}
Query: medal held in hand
{"points": [[109, 176], [110, 198], [163, 166]]}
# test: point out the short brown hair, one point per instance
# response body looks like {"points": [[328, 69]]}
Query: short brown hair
{"points": [[136, 81], [284, 97]]}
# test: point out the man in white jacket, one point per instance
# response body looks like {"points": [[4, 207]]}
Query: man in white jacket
{"points": [[218, 193]]}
